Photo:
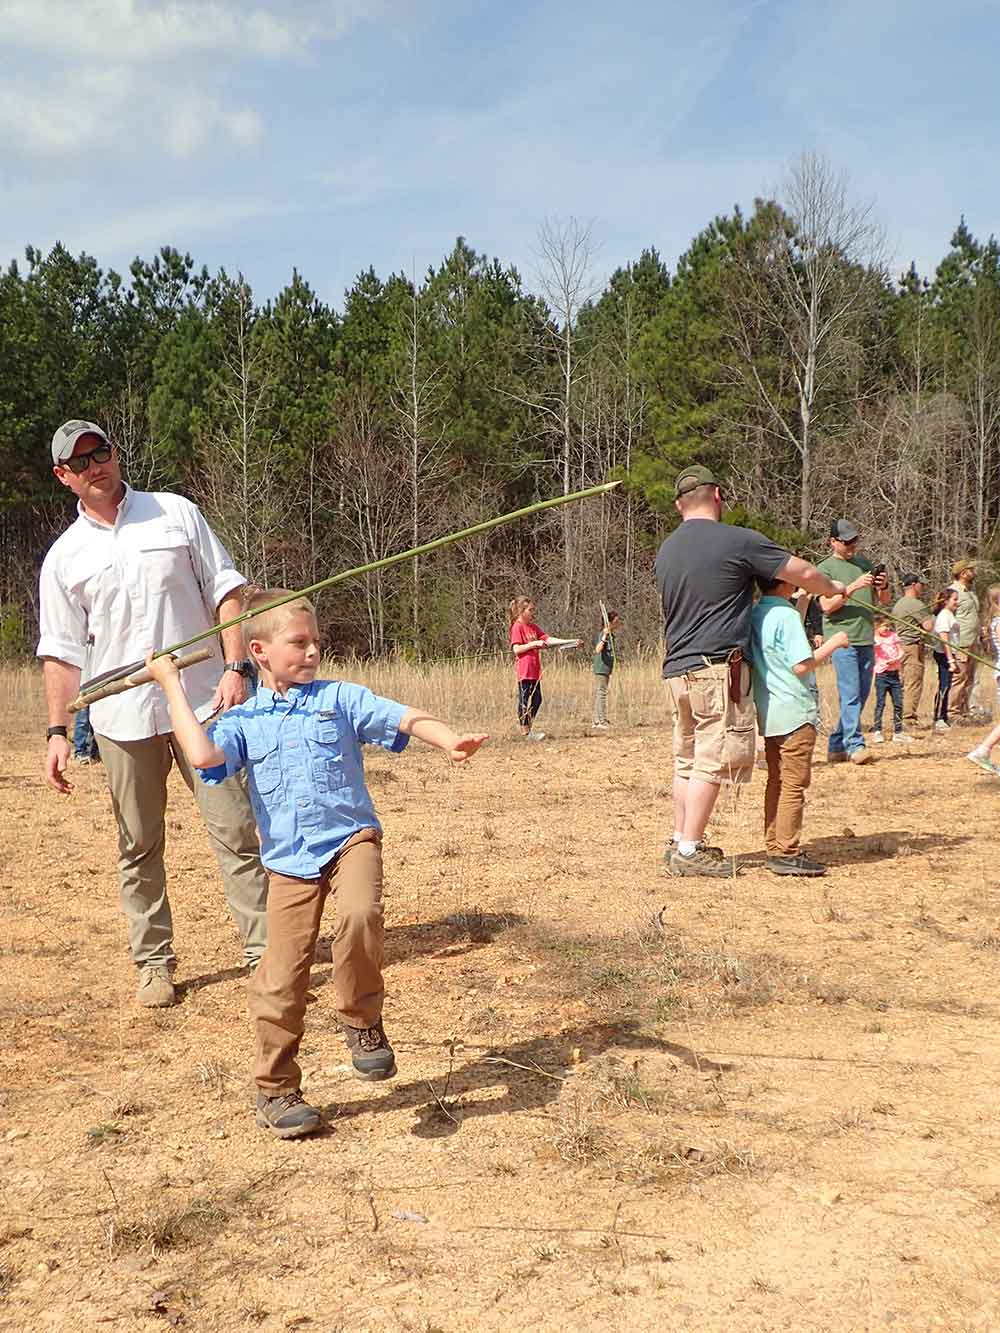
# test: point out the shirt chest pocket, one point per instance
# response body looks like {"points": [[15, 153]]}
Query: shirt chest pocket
{"points": [[162, 560], [264, 766], [86, 578], [324, 738]]}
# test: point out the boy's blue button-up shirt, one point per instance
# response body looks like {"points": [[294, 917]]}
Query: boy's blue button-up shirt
{"points": [[302, 753]]}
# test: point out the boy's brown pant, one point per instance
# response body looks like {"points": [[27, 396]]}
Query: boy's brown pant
{"points": [[294, 911], [789, 772]]}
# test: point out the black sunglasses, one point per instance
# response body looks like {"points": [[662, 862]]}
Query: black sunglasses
{"points": [[80, 462]]}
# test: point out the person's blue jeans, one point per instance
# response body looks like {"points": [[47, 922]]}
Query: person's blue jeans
{"points": [[854, 667], [888, 684], [84, 744]]}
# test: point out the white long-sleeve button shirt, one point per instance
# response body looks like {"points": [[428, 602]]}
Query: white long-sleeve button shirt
{"points": [[108, 594]]}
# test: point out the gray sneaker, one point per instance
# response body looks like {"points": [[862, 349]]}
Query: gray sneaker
{"points": [[799, 864], [156, 987], [716, 853], [371, 1055], [288, 1116], [701, 862]]}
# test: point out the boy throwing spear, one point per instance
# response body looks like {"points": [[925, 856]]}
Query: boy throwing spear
{"points": [[300, 740]]}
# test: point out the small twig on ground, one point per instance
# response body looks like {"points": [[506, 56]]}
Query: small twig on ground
{"points": [[111, 1187], [530, 1069]]}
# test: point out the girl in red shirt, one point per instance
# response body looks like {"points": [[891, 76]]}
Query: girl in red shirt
{"points": [[527, 640]]}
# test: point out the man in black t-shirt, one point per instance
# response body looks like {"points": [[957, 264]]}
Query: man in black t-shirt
{"points": [[705, 572]]}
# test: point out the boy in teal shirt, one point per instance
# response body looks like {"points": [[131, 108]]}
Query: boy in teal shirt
{"points": [[784, 687]]}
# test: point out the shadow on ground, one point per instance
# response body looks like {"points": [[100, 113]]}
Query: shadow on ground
{"points": [[530, 1074]]}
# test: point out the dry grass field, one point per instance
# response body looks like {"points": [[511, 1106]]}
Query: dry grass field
{"points": [[624, 1101]]}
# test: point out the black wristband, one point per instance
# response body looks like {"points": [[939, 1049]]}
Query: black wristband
{"points": [[56, 731]]}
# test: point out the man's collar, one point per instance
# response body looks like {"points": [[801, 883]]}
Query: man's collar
{"points": [[123, 506]]}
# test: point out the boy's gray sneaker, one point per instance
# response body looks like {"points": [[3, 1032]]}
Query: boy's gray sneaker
{"points": [[287, 1116], [799, 864], [371, 1055], [156, 987], [701, 862]]}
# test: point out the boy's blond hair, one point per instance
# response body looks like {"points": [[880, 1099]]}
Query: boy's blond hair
{"points": [[269, 623]]}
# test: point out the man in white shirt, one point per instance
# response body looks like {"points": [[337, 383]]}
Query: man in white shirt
{"points": [[138, 570]]}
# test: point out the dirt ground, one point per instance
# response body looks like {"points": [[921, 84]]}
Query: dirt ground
{"points": [[624, 1101]]}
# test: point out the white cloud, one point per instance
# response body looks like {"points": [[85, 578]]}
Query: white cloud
{"points": [[159, 30], [134, 76]]}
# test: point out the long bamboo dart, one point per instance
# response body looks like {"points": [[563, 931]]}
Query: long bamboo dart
{"points": [[87, 697], [123, 683], [908, 624]]}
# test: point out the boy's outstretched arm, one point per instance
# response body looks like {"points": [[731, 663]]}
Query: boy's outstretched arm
{"points": [[200, 751], [433, 732], [825, 650]]}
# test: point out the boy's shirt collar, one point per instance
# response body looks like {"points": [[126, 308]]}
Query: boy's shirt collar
{"points": [[268, 698]]}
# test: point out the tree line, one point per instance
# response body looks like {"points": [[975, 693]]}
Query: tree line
{"points": [[780, 350]]}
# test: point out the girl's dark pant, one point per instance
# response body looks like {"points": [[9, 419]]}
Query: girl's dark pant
{"points": [[529, 700]]}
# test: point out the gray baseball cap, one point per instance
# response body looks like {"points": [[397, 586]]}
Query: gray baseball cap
{"points": [[65, 438]]}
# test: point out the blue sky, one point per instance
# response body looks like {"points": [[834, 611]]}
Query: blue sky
{"points": [[328, 135]]}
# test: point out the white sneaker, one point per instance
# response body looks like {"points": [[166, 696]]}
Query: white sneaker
{"points": [[941, 725], [983, 761], [535, 736], [877, 738], [602, 726], [901, 738]]}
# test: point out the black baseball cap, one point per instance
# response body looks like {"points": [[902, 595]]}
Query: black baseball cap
{"points": [[693, 477], [844, 530], [908, 580]]}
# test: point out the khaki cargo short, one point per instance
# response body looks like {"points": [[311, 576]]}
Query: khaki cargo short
{"points": [[714, 737]]}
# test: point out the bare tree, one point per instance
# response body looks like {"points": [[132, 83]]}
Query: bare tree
{"points": [[804, 281], [417, 395], [565, 255], [127, 421], [238, 477], [367, 475]]}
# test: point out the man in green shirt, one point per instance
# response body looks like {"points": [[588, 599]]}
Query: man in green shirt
{"points": [[914, 611], [852, 612]]}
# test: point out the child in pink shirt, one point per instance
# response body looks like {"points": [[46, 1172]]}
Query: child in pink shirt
{"points": [[527, 640], [888, 660]]}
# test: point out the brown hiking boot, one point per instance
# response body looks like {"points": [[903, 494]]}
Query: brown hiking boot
{"points": [[702, 862], [371, 1055], [287, 1116], [156, 987]]}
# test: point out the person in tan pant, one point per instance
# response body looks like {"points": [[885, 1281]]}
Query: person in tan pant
{"points": [[784, 687], [299, 739], [918, 622]]}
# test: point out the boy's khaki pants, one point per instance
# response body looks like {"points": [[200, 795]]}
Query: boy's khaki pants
{"points": [[294, 910], [789, 772], [913, 681]]}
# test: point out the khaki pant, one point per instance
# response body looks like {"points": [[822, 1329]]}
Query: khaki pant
{"points": [[715, 736], [294, 911], [601, 684], [137, 776], [913, 681], [961, 686], [789, 772]]}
